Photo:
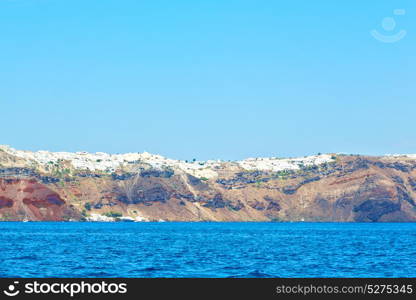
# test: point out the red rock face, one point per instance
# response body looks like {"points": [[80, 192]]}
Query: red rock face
{"points": [[28, 197]]}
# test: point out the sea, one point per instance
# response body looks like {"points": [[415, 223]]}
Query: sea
{"points": [[170, 249]]}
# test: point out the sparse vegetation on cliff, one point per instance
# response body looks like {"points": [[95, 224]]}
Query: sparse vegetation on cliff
{"points": [[113, 214]]}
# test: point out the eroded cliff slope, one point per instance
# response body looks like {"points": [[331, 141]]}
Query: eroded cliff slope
{"points": [[140, 186]]}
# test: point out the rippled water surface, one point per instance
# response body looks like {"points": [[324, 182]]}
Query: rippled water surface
{"points": [[207, 250]]}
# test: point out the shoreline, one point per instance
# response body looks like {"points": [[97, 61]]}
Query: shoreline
{"points": [[212, 222]]}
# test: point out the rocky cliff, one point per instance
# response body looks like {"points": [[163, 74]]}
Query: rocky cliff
{"points": [[144, 187]]}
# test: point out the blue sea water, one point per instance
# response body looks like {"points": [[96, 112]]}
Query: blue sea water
{"points": [[207, 249]]}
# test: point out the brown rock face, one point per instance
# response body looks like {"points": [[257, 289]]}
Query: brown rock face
{"points": [[351, 189]]}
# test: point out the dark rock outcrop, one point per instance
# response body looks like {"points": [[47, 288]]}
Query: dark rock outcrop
{"points": [[216, 202], [372, 210], [124, 176], [412, 183], [5, 202], [167, 173], [404, 195]]}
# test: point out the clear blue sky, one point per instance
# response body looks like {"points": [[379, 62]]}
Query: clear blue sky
{"points": [[207, 79]]}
